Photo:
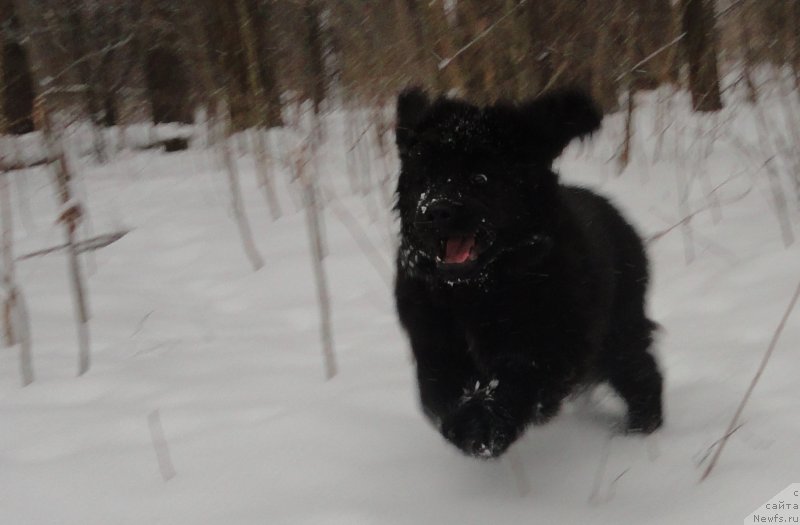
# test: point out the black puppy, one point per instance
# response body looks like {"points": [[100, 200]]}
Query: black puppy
{"points": [[514, 290]]}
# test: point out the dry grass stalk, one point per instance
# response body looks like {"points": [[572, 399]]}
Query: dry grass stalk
{"points": [[764, 360]]}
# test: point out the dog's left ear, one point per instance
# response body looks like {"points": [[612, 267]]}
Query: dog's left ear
{"points": [[553, 120], [411, 106]]}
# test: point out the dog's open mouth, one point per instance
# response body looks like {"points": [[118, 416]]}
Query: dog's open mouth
{"points": [[462, 250], [459, 249]]}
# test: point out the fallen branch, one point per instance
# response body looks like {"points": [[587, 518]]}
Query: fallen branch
{"points": [[95, 243], [767, 355], [19, 166]]}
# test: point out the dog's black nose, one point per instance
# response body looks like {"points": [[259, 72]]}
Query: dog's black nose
{"points": [[441, 213]]}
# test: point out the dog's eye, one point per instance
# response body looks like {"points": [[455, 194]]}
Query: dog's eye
{"points": [[478, 179]]}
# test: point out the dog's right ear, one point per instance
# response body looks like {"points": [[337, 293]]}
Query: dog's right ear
{"points": [[553, 120], [411, 106]]}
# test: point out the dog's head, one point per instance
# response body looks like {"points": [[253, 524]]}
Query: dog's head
{"points": [[476, 182]]}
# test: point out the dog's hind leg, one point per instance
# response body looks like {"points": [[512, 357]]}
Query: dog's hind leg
{"points": [[632, 371]]}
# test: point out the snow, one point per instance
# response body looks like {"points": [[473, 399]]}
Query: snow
{"points": [[231, 361]]}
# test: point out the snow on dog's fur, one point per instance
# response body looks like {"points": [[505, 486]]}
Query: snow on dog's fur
{"points": [[514, 290]]}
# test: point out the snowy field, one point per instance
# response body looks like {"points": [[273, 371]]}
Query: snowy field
{"points": [[230, 360]]}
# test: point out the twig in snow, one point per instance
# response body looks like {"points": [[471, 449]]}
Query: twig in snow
{"points": [[141, 322], [601, 470], [165, 465], [767, 355], [707, 453]]}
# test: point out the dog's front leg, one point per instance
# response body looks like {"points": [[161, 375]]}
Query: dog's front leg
{"points": [[494, 412], [445, 370]]}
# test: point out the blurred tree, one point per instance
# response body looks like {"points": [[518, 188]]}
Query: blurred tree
{"points": [[700, 44], [316, 54], [230, 35], [168, 86], [17, 98]]}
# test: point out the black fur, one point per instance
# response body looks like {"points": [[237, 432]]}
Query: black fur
{"points": [[514, 290]]}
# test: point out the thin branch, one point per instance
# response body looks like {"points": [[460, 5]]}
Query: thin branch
{"points": [[445, 62], [767, 355], [711, 447], [48, 81], [651, 56]]}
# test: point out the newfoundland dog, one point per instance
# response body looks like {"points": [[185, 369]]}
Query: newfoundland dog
{"points": [[515, 290]]}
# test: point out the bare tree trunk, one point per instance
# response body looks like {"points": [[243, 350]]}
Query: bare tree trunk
{"points": [[70, 214], [316, 59], [263, 171], [537, 14], [630, 105], [17, 102], [313, 224], [683, 189], [604, 57], [774, 178], [168, 90], [70, 217], [625, 155], [237, 202], [701, 54], [84, 69], [15, 314], [262, 15], [15, 318], [750, 61], [262, 105]]}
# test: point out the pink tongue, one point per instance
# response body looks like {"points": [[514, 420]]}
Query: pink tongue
{"points": [[458, 248]]}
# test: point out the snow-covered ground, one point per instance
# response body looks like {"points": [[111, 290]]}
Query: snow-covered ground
{"points": [[231, 361]]}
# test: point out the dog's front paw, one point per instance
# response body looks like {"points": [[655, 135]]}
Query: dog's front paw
{"points": [[640, 422], [478, 430]]}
